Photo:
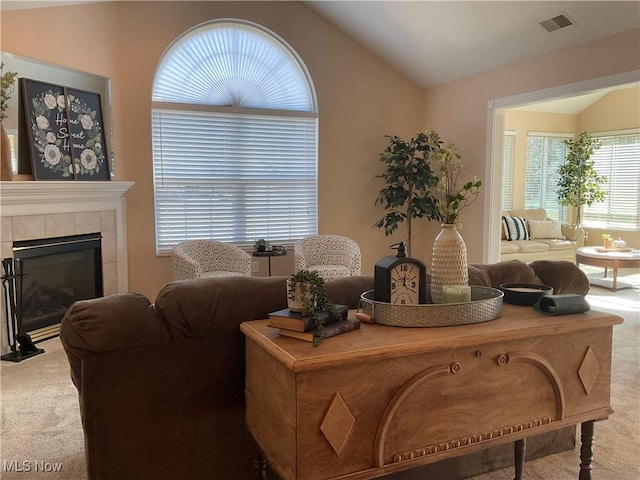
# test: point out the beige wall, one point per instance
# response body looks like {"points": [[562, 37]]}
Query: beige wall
{"points": [[459, 109], [361, 99]]}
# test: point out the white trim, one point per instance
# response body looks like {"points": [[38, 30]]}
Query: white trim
{"points": [[492, 202]]}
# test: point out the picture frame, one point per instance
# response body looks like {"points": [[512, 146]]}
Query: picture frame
{"points": [[46, 124], [65, 132], [87, 138]]}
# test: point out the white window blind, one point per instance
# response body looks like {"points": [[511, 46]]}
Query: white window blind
{"points": [[618, 159], [545, 153], [508, 163], [234, 128]]}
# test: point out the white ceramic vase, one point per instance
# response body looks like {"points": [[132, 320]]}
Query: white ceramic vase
{"points": [[448, 261], [296, 296]]}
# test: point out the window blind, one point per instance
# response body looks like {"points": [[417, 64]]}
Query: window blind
{"points": [[618, 159], [234, 129], [508, 163], [233, 177], [544, 155]]}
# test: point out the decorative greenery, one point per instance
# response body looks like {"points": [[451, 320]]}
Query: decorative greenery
{"points": [[607, 240], [260, 244], [310, 285], [408, 181], [579, 183], [7, 81], [451, 200]]}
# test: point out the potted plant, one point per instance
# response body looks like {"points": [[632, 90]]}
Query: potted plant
{"points": [[306, 294], [260, 245], [408, 181], [579, 183], [7, 80]]}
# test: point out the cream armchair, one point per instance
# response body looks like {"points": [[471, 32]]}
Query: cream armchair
{"points": [[332, 256], [209, 258]]}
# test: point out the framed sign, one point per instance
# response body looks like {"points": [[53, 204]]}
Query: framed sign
{"points": [[88, 148], [45, 115], [65, 132]]}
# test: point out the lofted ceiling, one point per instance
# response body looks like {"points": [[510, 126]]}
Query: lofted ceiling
{"points": [[434, 42]]}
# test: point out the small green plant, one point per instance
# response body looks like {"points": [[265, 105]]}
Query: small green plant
{"points": [[579, 183], [7, 81], [260, 244], [311, 287]]}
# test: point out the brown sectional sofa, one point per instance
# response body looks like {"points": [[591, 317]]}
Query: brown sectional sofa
{"points": [[161, 385], [560, 247]]}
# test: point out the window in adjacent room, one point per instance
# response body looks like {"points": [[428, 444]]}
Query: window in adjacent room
{"points": [[234, 129], [508, 163], [618, 159], [545, 153]]}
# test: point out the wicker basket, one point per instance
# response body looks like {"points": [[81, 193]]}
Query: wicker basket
{"points": [[485, 304]]}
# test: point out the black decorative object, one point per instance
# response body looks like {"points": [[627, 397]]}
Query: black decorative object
{"points": [[12, 288], [399, 279], [524, 293], [65, 132], [565, 304]]}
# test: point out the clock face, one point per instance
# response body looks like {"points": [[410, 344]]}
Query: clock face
{"points": [[405, 284]]}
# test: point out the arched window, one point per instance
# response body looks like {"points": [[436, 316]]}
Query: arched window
{"points": [[234, 138]]}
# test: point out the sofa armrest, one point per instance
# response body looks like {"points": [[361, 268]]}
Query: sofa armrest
{"points": [[574, 233], [106, 324]]}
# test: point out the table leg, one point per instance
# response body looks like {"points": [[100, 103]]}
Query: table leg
{"points": [[269, 257], [615, 275], [519, 450], [586, 450], [259, 464]]}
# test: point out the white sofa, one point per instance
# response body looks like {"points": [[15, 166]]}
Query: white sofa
{"points": [[548, 239]]}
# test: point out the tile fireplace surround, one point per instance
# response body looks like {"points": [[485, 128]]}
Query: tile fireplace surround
{"points": [[32, 210]]}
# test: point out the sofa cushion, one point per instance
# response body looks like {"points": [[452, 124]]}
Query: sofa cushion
{"points": [[557, 244], [563, 276], [508, 247], [530, 213], [528, 246], [516, 228], [545, 229], [495, 274], [206, 307]]}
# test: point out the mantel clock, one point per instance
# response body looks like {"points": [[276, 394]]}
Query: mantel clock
{"points": [[399, 279]]}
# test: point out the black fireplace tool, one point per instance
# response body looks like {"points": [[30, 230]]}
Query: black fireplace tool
{"points": [[21, 345]]}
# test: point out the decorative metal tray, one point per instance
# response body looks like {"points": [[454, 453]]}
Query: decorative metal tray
{"points": [[485, 305]]}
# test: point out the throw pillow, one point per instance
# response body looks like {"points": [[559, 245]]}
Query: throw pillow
{"points": [[516, 228], [545, 229]]}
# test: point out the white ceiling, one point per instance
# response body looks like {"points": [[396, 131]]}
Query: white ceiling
{"points": [[434, 42]]}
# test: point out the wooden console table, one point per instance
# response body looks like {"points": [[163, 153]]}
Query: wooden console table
{"points": [[385, 399]]}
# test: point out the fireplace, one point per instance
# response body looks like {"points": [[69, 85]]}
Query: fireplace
{"points": [[51, 274], [36, 210]]}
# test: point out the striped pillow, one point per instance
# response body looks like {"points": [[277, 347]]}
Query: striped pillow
{"points": [[515, 228]]}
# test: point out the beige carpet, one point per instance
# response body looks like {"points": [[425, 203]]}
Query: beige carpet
{"points": [[41, 428]]}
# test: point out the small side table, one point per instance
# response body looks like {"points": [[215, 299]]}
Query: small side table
{"points": [[269, 254]]}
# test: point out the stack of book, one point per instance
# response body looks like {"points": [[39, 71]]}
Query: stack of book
{"points": [[296, 325]]}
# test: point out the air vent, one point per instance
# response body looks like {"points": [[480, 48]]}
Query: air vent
{"points": [[556, 23]]}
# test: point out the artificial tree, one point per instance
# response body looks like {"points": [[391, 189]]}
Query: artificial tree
{"points": [[579, 183], [408, 179]]}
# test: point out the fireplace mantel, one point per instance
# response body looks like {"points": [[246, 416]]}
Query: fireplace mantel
{"points": [[31, 197], [42, 209]]}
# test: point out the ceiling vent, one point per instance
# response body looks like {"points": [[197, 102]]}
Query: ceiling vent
{"points": [[556, 23]]}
